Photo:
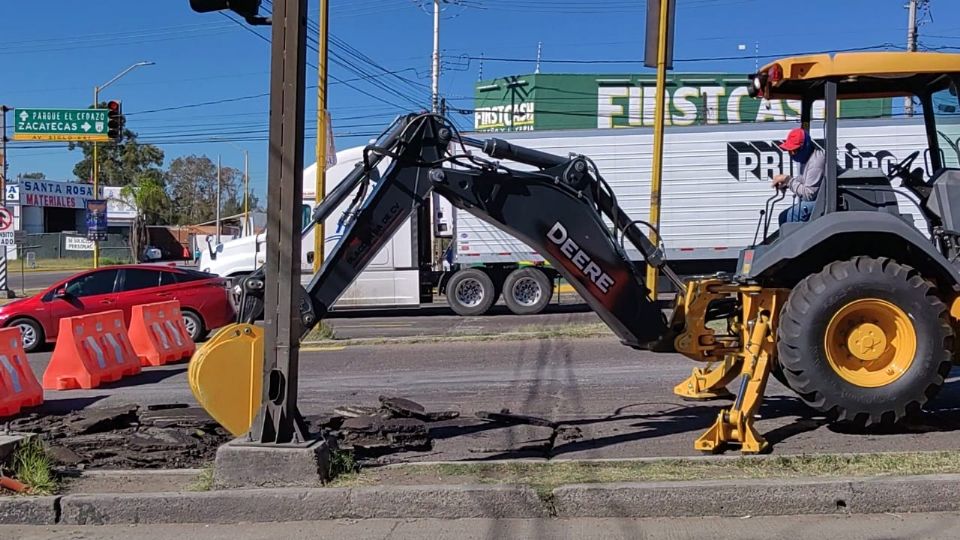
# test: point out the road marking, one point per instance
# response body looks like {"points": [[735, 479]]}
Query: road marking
{"points": [[323, 349], [384, 325]]}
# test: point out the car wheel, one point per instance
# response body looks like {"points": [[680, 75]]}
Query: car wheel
{"points": [[194, 325], [31, 333]]}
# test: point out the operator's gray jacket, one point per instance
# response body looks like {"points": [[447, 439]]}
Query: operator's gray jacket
{"points": [[807, 183]]}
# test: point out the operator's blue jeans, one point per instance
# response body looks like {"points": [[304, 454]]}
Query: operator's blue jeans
{"points": [[798, 212]]}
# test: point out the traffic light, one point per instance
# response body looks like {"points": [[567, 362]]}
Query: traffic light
{"points": [[115, 120], [248, 9]]}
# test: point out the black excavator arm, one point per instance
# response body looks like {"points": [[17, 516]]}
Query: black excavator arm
{"points": [[557, 208]]}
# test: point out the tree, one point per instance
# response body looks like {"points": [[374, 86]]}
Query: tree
{"points": [[33, 176], [120, 163], [192, 183], [150, 200]]}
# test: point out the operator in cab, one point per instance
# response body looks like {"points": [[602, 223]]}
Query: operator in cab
{"points": [[806, 184]]}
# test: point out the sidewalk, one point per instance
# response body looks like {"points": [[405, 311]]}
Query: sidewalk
{"points": [[354, 498]]}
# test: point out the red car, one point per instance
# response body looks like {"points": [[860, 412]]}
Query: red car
{"points": [[204, 299]]}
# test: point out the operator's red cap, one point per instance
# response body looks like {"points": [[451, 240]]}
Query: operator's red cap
{"points": [[794, 140]]}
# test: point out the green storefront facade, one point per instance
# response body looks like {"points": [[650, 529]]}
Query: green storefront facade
{"points": [[583, 101]]}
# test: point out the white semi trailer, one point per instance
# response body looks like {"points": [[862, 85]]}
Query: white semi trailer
{"points": [[715, 182]]}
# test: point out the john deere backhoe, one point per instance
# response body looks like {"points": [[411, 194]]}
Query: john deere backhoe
{"points": [[855, 310]]}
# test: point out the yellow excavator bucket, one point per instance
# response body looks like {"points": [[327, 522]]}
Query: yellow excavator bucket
{"points": [[226, 376]]}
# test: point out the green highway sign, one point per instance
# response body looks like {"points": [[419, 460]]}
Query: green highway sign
{"points": [[60, 125]]}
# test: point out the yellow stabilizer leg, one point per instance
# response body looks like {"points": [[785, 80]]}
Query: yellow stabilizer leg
{"points": [[735, 425], [710, 383], [226, 376]]}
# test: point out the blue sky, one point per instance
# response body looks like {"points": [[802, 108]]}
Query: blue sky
{"points": [[55, 51]]}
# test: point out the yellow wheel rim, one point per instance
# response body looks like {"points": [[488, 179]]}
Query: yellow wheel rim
{"points": [[870, 342]]}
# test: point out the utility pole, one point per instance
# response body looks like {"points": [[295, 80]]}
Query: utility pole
{"points": [[246, 194], [4, 291], [664, 61], [435, 97], [219, 183], [911, 47], [539, 52], [319, 231]]}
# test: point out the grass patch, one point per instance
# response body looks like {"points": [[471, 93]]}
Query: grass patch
{"points": [[321, 332], [33, 467], [573, 331], [544, 477], [343, 467], [204, 480]]}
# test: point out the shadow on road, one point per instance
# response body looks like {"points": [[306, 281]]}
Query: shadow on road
{"points": [[693, 418], [434, 310], [148, 376], [60, 406]]}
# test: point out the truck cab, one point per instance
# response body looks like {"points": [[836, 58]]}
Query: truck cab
{"points": [[392, 279]]}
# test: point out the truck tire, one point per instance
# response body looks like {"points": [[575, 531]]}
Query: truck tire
{"points": [[527, 291], [865, 341], [471, 292]]}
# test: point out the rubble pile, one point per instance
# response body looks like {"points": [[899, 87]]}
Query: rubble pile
{"points": [[128, 437], [397, 425]]}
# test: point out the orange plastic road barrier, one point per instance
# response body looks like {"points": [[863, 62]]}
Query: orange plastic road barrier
{"points": [[158, 334], [91, 350], [19, 387]]}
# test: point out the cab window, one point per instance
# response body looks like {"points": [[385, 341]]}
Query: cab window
{"points": [[946, 111], [304, 216]]}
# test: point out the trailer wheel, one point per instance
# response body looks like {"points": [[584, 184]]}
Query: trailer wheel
{"points": [[866, 341], [527, 291], [471, 292]]}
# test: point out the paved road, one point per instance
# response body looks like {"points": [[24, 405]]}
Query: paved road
{"points": [[35, 280], [854, 527], [620, 400], [439, 320]]}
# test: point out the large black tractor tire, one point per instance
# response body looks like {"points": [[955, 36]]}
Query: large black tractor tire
{"points": [[865, 341]]}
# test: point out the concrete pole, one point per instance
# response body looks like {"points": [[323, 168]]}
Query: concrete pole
{"points": [[435, 98], [96, 180], [911, 47], [4, 290], [219, 184], [246, 193]]}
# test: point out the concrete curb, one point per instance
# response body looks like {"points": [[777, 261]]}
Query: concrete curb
{"points": [[302, 504], [935, 493], [29, 510], [931, 493]]}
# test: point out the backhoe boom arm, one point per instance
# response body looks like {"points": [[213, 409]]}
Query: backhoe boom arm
{"points": [[557, 209]]}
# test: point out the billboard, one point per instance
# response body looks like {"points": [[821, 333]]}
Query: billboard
{"points": [[539, 101]]}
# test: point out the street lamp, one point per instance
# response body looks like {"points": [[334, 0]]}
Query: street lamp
{"points": [[96, 166], [246, 187]]}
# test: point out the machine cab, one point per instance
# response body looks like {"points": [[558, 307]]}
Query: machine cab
{"points": [[930, 177]]}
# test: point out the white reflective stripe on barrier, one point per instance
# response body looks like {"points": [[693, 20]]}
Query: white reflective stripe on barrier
{"points": [[116, 347], [163, 336], [92, 343], [14, 374], [174, 332]]}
